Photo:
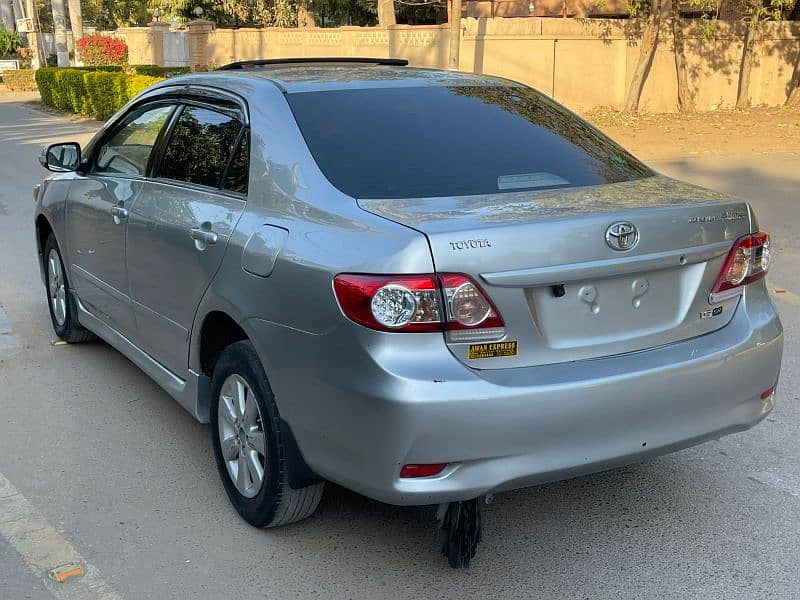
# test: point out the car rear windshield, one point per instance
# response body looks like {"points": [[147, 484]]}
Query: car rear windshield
{"points": [[417, 142]]}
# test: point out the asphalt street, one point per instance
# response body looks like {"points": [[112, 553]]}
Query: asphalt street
{"points": [[126, 477]]}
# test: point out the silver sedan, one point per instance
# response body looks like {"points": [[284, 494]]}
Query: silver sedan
{"points": [[428, 287]]}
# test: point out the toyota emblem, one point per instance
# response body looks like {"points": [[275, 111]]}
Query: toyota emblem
{"points": [[622, 236]]}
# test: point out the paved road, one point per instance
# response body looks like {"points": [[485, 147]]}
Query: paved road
{"points": [[127, 477]]}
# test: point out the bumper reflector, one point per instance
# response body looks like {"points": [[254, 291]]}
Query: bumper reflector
{"points": [[767, 393], [427, 470]]}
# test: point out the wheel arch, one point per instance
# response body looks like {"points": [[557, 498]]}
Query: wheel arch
{"points": [[218, 330], [43, 230]]}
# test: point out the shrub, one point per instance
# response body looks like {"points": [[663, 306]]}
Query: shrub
{"points": [[155, 71], [102, 50], [98, 93], [10, 41], [109, 68], [22, 80]]}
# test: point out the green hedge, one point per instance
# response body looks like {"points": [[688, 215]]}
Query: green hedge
{"points": [[150, 70], [22, 80], [96, 93], [155, 71], [109, 68]]}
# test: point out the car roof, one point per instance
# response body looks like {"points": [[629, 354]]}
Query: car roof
{"points": [[298, 77]]}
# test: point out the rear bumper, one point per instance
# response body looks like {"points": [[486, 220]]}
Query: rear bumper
{"points": [[360, 411]]}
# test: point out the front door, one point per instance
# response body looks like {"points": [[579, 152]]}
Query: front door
{"points": [[180, 225], [98, 207]]}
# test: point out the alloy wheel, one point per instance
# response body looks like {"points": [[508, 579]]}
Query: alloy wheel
{"points": [[241, 436], [56, 287]]}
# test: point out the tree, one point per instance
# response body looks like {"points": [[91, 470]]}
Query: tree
{"points": [[75, 19], [60, 29], [755, 13], [234, 13], [455, 34], [793, 97], [386, 15], [110, 14], [305, 14], [346, 12], [7, 15], [685, 95], [647, 50]]}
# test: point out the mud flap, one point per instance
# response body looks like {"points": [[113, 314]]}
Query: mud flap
{"points": [[459, 531]]}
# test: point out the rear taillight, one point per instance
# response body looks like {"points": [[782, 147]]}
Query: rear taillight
{"points": [[470, 314], [402, 303], [747, 261], [413, 303]]}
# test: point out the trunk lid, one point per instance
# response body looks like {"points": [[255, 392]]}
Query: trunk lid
{"points": [[564, 293]]}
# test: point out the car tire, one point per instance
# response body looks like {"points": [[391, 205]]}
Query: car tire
{"points": [[244, 428], [60, 301]]}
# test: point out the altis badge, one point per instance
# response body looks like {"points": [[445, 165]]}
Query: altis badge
{"points": [[728, 215]]}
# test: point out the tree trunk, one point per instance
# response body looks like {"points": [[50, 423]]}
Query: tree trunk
{"points": [[60, 32], [305, 16], [35, 41], [386, 16], [455, 34], [685, 95], [7, 14], [75, 19], [647, 51], [18, 9], [743, 90], [793, 98]]}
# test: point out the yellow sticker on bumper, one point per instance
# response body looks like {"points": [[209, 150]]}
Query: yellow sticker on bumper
{"points": [[493, 350]]}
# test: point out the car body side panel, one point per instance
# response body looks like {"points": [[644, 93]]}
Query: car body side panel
{"points": [[51, 204], [97, 246], [169, 271]]}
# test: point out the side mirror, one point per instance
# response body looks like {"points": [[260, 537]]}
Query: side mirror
{"points": [[61, 158]]}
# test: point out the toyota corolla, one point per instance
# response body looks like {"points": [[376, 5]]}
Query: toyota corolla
{"points": [[426, 286]]}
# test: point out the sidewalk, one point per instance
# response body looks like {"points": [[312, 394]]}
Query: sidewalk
{"points": [[654, 137]]}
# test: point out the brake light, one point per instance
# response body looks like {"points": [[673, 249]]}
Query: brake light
{"points": [[747, 261], [402, 303], [414, 303]]}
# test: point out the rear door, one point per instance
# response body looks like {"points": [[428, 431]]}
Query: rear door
{"points": [[181, 223], [97, 213]]}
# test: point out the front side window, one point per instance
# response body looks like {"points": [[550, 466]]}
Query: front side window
{"points": [[128, 150], [416, 142], [200, 147]]}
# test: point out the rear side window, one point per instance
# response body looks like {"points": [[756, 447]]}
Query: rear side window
{"points": [[414, 142], [128, 150], [239, 171], [200, 147]]}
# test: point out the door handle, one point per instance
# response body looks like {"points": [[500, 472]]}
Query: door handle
{"points": [[119, 213], [203, 237]]}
